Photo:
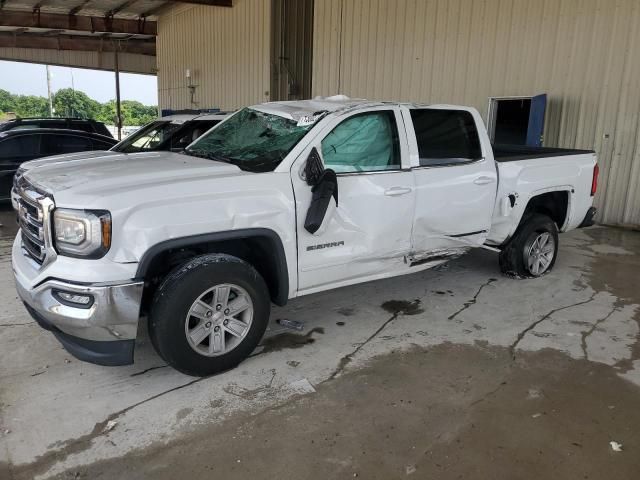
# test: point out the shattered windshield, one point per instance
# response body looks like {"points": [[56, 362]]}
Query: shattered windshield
{"points": [[254, 141]]}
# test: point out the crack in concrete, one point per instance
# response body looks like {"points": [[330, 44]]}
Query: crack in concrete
{"points": [[250, 394], [474, 300], [522, 334], [398, 307], [344, 361], [16, 324], [586, 334], [148, 370], [80, 444], [488, 394]]}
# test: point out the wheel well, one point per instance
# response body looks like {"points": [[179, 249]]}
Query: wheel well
{"points": [[264, 251], [553, 204]]}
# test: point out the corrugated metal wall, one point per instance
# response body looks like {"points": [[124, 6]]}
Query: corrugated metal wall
{"points": [[128, 62], [291, 49], [227, 50], [584, 53]]}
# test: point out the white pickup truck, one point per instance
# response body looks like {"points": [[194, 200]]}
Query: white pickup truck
{"points": [[279, 200]]}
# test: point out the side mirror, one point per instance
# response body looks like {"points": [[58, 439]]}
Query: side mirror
{"points": [[313, 168], [324, 188]]}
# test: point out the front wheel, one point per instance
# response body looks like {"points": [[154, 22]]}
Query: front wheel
{"points": [[209, 314], [533, 250]]}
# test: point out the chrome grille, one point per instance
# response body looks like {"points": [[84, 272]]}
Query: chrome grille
{"points": [[33, 218]]}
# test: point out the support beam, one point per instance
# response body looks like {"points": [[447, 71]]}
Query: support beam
{"points": [[168, 3], [57, 21], [79, 7], [119, 8], [116, 65], [213, 3], [76, 42]]}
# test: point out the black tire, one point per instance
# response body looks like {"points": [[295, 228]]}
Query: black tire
{"points": [[513, 258], [178, 292]]}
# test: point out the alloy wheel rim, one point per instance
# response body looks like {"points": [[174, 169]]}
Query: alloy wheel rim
{"points": [[540, 254], [219, 320]]}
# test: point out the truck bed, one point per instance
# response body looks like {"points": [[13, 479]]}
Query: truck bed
{"points": [[513, 153]]}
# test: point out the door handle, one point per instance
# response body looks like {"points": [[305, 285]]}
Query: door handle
{"points": [[397, 191], [483, 180]]}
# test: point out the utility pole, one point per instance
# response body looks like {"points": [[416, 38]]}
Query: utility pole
{"points": [[73, 94], [49, 91]]}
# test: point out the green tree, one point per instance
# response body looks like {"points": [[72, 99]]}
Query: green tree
{"points": [[7, 101], [133, 113], [31, 106], [107, 113], [73, 103], [139, 114]]}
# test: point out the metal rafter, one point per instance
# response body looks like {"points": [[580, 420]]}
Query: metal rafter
{"points": [[120, 7], [83, 23], [79, 7], [212, 3], [76, 42]]}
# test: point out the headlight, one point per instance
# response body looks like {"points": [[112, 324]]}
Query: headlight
{"points": [[82, 233]]}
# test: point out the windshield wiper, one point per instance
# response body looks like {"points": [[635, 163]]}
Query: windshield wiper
{"points": [[212, 156], [207, 155]]}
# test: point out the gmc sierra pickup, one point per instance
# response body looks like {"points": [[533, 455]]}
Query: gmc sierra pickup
{"points": [[279, 200]]}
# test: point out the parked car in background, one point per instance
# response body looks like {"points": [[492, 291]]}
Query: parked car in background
{"points": [[82, 124], [20, 145], [171, 133], [281, 200]]}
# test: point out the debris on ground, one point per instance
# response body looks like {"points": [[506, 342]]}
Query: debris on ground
{"points": [[536, 415], [301, 387], [292, 324], [111, 424], [615, 446], [409, 469], [533, 394]]}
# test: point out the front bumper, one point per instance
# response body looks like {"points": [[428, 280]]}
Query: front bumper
{"points": [[102, 333]]}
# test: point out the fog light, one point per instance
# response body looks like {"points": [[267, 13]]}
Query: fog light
{"points": [[74, 299]]}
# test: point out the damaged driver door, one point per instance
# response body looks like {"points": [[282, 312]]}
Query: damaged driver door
{"points": [[356, 221]]}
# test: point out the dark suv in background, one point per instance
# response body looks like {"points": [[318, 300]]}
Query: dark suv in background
{"points": [[171, 133], [21, 145], [84, 125]]}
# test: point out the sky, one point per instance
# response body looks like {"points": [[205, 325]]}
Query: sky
{"points": [[31, 79]]}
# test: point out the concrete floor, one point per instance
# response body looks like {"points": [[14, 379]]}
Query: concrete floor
{"points": [[457, 372]]}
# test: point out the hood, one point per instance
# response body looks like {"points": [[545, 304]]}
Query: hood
{"points": [[65, 158], [88, 176]]}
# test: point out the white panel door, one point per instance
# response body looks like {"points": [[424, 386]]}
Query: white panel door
{"points": [[369, 233], [455, 177]]}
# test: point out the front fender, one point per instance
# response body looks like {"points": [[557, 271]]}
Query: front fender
{"points": [[276, 263]]}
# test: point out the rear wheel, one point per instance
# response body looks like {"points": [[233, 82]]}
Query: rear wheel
{"points": [[533, 250], [209, 314]]}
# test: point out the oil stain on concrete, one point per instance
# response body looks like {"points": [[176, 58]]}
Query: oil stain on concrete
{"points": [[288, 340]]}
